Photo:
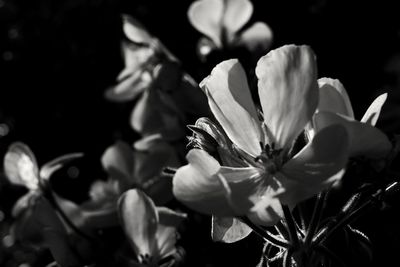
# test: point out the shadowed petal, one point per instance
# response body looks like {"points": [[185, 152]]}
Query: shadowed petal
{"points": [[318, 165], [139, 220], [258, 36], [288, 91], [236, 14], [228, 229], [118, 161], [371, 116], [206, 17], [197, 185], [20, 166], [333, 97], [365, 140], [231, 103]]}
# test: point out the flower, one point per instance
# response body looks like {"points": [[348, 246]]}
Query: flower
{"points": [[141, 167], [260, 169], [151, 230], [166, 95], [335, 107], [222, 22], [36, 221]]}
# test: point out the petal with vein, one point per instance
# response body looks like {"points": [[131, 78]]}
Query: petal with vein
{"points": [[139, 220], [197, 186], [237, 14], [20, 166], [231, 103], [228, 229], [288, 91], [206, 17], [365, 140], [166, 237], [333, 97], [318, 165], [371, 116]]}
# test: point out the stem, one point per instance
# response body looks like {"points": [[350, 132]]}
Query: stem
{"points": [[375, 198], [316, 216], [280, 243], [291, 224], [48, 194]]}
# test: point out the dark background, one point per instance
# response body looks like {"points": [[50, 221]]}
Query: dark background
{"points": [[58, 57]]}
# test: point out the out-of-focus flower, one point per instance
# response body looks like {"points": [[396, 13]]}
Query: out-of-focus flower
{"points": [[166, 95], [335, 108], [151, 230], [36, 221], [260, 168], [223, 21], [127, 168]]}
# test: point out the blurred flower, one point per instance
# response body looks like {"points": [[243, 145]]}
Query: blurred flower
{"points": [[127, 168], [223, 23], [166, 96], [36, 221], [335, 108], [151, 230], [261, 169]]}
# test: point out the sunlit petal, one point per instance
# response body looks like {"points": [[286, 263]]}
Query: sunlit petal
{"points": [[236, 14], [206, 17], [333, 97], [197, 185], [258, 36], [139, 220], [228, 229], [318, 165], [135, 31], [231, 103], [371, 116], [365, 140], [20, 166], [288, 91]]}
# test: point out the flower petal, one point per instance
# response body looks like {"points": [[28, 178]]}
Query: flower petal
{"points": [[152, 154], [206, 17], [139, 220], [197, 186], [258, 36], [333, 97], [318, 165], [288, 91], [231, 103], [228, 229], [118, 161], [365, 140], [20, 166], [371, 116], [166, 237], [236, 14], [268, 210], [50, 167], [135, 31]]}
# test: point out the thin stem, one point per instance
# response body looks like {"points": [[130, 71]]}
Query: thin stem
{"points": [[375, 198], [49, 195], [316, 216], [291, 225], [280, 243]]}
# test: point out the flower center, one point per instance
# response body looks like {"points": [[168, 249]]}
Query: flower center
{"points": [[270, 158]]}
